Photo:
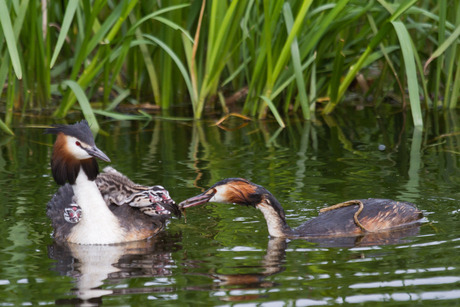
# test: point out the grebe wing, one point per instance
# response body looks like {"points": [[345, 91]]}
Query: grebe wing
{"points": [[63, 211]]}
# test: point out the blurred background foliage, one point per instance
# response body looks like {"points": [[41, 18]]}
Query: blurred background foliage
{"points": [[257, 58]]}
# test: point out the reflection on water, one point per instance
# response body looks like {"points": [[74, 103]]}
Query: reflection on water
{"points": [[396, 236], [93, 266], [223, 253], [269, 265]]}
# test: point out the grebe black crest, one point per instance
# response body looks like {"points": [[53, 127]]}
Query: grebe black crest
{"points": [[374, 215], [106, 208]]}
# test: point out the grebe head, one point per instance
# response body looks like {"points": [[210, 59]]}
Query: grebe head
{"points": [[74, 148], [77, 141], [237, 191]]}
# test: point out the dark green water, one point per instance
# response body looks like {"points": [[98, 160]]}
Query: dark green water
{"points": [[222, 255]]}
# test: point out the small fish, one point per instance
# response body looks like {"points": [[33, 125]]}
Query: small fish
{"points": [[182, 210]]}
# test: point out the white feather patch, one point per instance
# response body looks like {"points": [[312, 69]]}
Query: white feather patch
{"points": [[220, 195], [98, 224], [76, 150]]}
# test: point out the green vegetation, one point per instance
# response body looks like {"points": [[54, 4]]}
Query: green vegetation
{"points": [[277, 56]]}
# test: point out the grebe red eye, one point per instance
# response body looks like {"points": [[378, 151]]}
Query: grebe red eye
{"points": [[78, 143]]}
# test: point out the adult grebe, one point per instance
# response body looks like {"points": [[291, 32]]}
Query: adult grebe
{"points": [[375, 215], [104, 209]]}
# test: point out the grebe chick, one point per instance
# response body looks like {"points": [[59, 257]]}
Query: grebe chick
{"points": [[117, 189], [376, 215], [83, 213]]}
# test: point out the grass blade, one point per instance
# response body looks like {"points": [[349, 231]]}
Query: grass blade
{"points": [[443, 47], [440, 61], [411, 72], [175, 58], [118, 116], [126, 8], [456, 88], [153, 76], [274, 111], [124, 94], [296, 62], [337, 68], [5, 21], [66, 22], [174, 26], [4, 71], [109, 25], [354, 68], [5, 128], [300, 18], [84, 104], [154, 14]]}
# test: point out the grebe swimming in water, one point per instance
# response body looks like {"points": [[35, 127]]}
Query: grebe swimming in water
{"points": [[375, 215], [104, 209]]}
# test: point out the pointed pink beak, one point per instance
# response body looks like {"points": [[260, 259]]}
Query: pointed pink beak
{"points": [[196, 200]]}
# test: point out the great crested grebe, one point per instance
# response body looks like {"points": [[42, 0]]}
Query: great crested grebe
{"points": [[375, 215], [104, 209]]}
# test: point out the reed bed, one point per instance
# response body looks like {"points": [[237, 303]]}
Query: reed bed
{"points": [[259, 58]]}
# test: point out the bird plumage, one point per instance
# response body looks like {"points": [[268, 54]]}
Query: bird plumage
{"points": [[73, 150], [119, 190], [377, 214], [93, 208]]}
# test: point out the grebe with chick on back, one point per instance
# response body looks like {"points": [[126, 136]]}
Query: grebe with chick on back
{"points": [[374, 215], [106, 208]]}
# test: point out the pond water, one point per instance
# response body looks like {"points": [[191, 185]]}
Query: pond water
{"points": [[222, 254]]}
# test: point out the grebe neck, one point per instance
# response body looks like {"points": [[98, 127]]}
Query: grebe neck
{"points": [[276, 221], [98, 224]]}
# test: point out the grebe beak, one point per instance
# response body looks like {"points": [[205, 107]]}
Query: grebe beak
{"points": [[196, 200], [97, 153]]}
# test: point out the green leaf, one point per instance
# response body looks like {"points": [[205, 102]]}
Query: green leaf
{"points": [[300, 18], [84, 104], [174, 26], [176, 60], [411, 72], [5, 21], [451, 40], [67, 21], [110, 23], [119, 116], [274, 110], [118, 100], [127, 7], [154, 14], [403, 7], [337, 68], [354, 68], [456, 87], [5, 128], [4, 71], [296, 62]]}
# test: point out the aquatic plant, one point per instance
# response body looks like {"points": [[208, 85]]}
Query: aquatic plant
{"points": [[257, 57]]}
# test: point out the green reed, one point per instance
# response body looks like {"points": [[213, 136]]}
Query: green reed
{"points": [[284, 57]]}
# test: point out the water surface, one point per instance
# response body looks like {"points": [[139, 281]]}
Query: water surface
{"points": [[222, 254]]}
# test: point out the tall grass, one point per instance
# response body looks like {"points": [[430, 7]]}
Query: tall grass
{"points": [[279, 56]]}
